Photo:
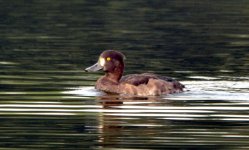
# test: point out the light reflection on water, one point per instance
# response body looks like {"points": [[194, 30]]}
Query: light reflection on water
{"points": [[206, 115]]}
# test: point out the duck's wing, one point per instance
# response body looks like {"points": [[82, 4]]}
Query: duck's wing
{"points": [[176, 83], [137, 79]]}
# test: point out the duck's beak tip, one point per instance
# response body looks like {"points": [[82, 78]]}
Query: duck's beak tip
{"points": [[93, 68]]}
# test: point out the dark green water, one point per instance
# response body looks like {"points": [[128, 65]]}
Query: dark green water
{"points": [[47, 101]]}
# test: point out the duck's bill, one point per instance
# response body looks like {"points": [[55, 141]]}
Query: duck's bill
{"points": [[94, 68]]}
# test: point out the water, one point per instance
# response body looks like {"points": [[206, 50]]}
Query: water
{"points": [[47, 101]]}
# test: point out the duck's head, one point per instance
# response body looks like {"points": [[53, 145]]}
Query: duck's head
{"points": [[110, 61]]}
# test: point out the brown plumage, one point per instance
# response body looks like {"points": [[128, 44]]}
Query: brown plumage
{"points": [[112, 62]]}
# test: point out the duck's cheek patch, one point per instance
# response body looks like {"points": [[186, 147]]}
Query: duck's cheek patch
{"points": [[101, 61]]}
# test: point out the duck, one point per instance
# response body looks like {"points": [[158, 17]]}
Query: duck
{"points": [[145, 84]]}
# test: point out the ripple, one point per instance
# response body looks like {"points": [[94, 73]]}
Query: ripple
{"points": [[83, 91], [213, 90], [8, 63]]}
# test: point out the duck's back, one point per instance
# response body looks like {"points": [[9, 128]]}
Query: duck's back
{"points": [[151, 84]]}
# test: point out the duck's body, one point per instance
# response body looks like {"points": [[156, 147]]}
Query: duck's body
{"points": [[112, 62]]}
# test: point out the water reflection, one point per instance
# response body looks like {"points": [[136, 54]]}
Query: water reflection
{"points": [[129, 122], [174, 121]]}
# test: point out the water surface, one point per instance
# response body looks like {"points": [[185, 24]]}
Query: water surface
{"points": [[47, 100]]}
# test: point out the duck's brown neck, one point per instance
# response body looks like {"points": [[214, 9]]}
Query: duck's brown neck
{"points": [[116, 74]]}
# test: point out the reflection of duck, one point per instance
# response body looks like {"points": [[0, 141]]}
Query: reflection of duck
{"points": [[112, 62]]}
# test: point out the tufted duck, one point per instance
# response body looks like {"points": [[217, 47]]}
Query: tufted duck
{"points": [[146, 84]]}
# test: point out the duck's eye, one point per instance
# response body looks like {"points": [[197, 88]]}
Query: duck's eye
{"points": [[108, 58]]}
